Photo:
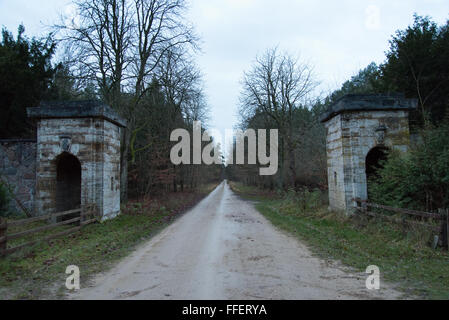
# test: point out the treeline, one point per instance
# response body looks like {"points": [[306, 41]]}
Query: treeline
{"points": [[138, 57], [417, 65], [275, 95], [278, 91]]}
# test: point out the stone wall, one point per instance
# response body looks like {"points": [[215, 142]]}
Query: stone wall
{"points": [[18, 168], [74, 162]]}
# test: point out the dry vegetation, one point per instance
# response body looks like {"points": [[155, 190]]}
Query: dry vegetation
{"points": [[404, 256], [39, 272]]}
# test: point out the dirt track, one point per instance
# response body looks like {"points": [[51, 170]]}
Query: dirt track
{"points": [[224, 249]]}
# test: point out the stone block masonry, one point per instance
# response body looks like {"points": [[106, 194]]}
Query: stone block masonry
{"points": [[18, 170], [356, 125], [78, 150]]}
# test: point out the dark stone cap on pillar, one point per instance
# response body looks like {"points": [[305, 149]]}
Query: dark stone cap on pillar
{"points": [[369, 102], [75, 109]]}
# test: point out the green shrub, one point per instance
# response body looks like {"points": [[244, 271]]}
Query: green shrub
{"points": [[418, 179]]}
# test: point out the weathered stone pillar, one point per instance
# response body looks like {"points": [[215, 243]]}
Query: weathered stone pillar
{"points": [[83, 133], [355, 125]]}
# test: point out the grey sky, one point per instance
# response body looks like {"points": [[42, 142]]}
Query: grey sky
{"points": [[337, 37]]}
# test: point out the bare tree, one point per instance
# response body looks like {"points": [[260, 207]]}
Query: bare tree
{"points": [[99, 40], [276, 86], [181, 81], [120, 43]]}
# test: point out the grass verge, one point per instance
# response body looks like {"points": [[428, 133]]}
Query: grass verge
{"points": [[39, 272], [403, 257]]}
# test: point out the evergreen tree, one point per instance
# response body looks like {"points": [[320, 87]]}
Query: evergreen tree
{"points": [[25, 77]]}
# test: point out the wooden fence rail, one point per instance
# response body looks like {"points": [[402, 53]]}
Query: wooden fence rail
{"points": [[442, 216], [86, 216]]}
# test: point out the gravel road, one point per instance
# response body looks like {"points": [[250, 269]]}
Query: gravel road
{"points": [[225, 249]]}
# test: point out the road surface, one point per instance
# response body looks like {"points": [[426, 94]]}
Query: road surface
{"points": [[225, 249]]}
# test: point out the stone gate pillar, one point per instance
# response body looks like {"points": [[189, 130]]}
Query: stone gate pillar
{"points": [[355, 125], [78, 150]]}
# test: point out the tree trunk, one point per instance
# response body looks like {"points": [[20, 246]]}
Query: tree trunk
{"points": [[280, 179], [175, 182], [292, 160], [124, 166], [182, 179]]}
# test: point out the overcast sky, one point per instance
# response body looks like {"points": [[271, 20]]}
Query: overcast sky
{"points": [[337, 37]]}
